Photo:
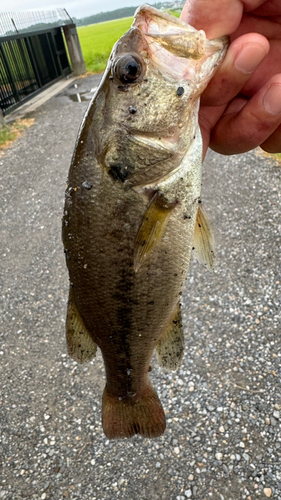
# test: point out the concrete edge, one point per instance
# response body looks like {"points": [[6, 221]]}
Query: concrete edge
{"points": [[39, 99]]}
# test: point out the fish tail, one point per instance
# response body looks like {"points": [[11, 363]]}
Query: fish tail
{"points": [[142, 415]]}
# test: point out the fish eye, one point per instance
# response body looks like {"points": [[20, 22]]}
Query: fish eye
{"points": [[128, 68]]}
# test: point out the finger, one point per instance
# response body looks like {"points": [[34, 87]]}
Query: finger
{"points": [[248, 124], [208, 117], [243, 57], [273, 143], [217, 17]]}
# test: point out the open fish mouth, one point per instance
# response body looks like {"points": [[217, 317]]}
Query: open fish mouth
{"points": [[177, 49], [179, 38]]}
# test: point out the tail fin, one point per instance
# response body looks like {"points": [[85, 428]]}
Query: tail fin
{"points": [[142, 415]]}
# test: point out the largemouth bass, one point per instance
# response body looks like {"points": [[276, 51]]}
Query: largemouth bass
{"points": [[133, 214]]}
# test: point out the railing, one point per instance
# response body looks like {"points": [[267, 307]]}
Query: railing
{"points": [[12, 23], [28, 63]]}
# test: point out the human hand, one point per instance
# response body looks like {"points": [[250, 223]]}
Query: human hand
{"points": [[241, 107]]}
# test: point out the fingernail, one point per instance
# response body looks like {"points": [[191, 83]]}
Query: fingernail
{"points": [[272, 99], [249, 57]]}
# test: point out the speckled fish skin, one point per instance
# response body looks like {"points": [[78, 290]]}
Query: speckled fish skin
{"points": [[139, 145]]}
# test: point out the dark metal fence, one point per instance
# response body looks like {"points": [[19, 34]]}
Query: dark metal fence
{"points": [[29, 61], [12, 23]]}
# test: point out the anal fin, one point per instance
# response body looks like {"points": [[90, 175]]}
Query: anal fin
{"points": [[203, 240], [80, 345], [170, 347], [152, 228]]}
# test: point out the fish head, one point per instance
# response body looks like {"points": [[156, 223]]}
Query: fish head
{"points": [[150, 93], [159, 68]]}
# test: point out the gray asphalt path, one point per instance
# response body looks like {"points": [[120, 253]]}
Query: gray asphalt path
{"points": [[223, 407]]}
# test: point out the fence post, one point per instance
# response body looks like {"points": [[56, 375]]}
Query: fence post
{"points": [[74, 49], [2, 119]]}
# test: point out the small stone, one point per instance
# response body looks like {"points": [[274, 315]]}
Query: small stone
{"points": [[190, 477], [191, 388], [188, 493], [66, 494], [177, 450], [276, 414], [246, 457], [221, 429], [241, 444], [273, 421], [267, 421], [158, 465], [232, 457], [238, 457], [267, 492], [219, 456], [43, 496], [93, 461]]}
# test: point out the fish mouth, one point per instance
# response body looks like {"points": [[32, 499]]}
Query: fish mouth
{"points": [[176, 47], [170, 32]]}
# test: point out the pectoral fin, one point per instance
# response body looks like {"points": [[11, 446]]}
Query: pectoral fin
{"points": [[80, 344], [203, 240], [170, 347], [152, 228]]}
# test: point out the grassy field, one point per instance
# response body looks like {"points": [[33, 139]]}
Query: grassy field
{"points": [[97, 41]]}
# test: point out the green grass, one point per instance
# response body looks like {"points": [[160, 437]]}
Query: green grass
{"points": [[9, 133], [174, 13], [6, 135], [97, 41]]}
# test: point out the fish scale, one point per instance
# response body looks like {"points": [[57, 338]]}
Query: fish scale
{"points": [[131, 213]]}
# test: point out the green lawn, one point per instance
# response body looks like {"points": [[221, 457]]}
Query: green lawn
{"points": [[97, 41]]}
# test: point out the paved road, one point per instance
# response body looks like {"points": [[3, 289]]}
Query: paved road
{"points": [[223, 407]]}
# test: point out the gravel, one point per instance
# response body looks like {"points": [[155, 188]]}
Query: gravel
{"points": [[223, 405]]}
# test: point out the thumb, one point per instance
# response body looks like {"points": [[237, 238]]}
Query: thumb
{"points": [[217, 17]]}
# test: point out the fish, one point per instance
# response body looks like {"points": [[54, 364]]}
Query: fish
{"points": [[133, 213]]}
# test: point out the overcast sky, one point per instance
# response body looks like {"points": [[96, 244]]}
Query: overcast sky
{"points": [[75, 8]]}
